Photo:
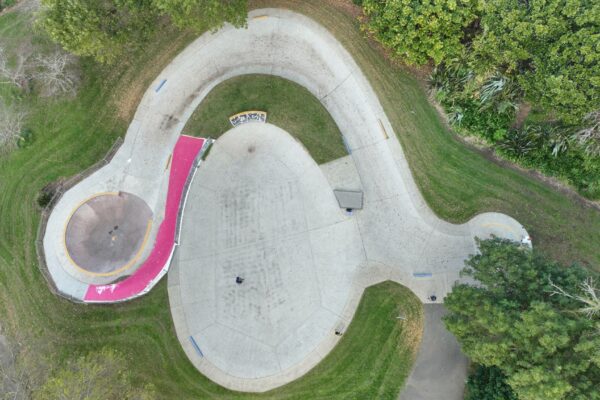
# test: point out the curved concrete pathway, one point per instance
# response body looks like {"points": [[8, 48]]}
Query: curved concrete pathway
{"points": [[401, 239]]}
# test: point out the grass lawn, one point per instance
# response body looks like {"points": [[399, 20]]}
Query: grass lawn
{"points": [[288, 105], [70, 135]]}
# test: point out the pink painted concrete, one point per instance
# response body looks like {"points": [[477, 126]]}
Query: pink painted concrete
{"points": [[185, 152]]}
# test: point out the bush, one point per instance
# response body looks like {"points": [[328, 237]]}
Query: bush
{"points": [[484, 108], [47, 194], [421, 31], [524, 315], [488, 383], [551, 150]]}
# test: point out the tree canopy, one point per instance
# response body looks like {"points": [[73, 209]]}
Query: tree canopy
{"points": [[514, 320], [421, 30], [488, 383], [553, 46], [201, 15], [106, 29], [550, 47]]}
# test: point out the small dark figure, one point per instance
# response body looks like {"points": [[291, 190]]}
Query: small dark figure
{"points": [[433, 297], [338, 332], [239, 280]]}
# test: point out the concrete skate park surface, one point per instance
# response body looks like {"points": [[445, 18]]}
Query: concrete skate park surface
{"points": [[261, 208], [108, 229]]}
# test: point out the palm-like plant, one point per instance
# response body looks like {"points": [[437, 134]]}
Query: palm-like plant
{"points": [[519, 142], [589, 297], [499, 92], [589, 137]]}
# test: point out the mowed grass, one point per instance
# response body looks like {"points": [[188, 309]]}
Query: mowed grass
{"points": [[69, 135], [288, 105]]}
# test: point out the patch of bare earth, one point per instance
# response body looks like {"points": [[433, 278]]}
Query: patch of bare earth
{"points": [[522, 113], [136, 81]]}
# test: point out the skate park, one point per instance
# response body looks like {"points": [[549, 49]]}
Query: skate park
{"points": [[260, 208]]}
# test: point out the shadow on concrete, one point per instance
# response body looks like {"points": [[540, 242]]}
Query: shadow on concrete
{"points": [[440, 370]]}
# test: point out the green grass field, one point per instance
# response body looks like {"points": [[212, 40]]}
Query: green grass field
{"points": [[288, 105], [70, 135]]}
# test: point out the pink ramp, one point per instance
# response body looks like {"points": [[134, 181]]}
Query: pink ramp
{"points": [[186, 151]]}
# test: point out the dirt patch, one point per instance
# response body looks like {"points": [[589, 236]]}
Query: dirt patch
{"points": [[136, 83], [347, 6], [522, 114]]}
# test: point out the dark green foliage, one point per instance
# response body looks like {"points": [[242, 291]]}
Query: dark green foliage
{"points": [[201, 15], [488, 383], [483, 108], [6, 3], [495, 54], [516, 322], [550, 46], [25, 138], [550, 149], [487, 110]]}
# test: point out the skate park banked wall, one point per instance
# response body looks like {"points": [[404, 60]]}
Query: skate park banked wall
{"points": [[402, 239], [183, 163], [156, 265]]}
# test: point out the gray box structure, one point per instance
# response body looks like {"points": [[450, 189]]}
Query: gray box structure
{"points": [[349, 199]]}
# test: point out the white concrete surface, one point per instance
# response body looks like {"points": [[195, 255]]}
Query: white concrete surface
{"points": [[271, 218], [252, 340], [258, 336]]}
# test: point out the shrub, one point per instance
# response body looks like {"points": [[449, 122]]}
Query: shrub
{"points": [[488, 383]]}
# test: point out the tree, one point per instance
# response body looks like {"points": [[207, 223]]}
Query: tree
{"points": [[201, 15], [56, 73], [11, 125], [488, 383], [419, 30], [103, 29], [107, 29], [550, 45], [512, 320], [97, 376], [15, 74]]}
